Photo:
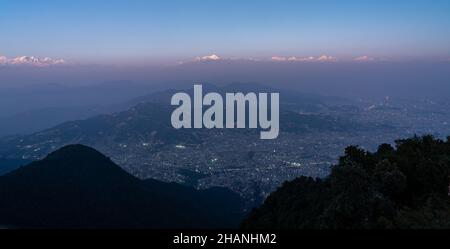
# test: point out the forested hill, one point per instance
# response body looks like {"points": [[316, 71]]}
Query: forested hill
{"points": [[402, 187]]}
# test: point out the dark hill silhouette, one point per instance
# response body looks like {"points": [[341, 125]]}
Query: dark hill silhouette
{"points": [[78, 187]]}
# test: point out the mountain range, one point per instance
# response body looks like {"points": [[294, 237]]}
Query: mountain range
{"points": [[147, 118]]}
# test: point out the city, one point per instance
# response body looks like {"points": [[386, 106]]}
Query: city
{"points": [[238, 159]]}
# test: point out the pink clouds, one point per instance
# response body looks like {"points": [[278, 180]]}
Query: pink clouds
{"points": [[30, 60], [322, 58], [212, 57], [3, 60], [326, 58], [363, 58]]}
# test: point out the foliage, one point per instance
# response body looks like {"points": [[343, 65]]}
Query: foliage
{"points": [[405, 187]]}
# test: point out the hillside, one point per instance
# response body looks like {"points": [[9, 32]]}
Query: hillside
{"points": [[406, 187]]}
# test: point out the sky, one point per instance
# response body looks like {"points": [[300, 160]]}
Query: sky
{"points": [[133, 30]]}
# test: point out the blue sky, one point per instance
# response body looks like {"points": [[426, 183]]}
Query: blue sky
{"points": [[133, 30]]}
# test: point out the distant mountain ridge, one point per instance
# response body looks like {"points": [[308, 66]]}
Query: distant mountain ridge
{"points": [[148, 122], [78, 187], [290, 98]]}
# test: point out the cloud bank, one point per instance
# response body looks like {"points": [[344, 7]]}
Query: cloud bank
{"points": [[322, 58], [30, 61], [212, 57], [364, 58]]}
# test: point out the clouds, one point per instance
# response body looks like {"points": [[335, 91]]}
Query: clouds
{"points": [[291, 58], [276, 58], [3, 60], [322, 58], [279, 58], [30, 61], [326, 58], [212, 57], [363, 58]]}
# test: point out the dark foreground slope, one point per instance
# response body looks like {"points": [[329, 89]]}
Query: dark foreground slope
{"points": [[406, 187], [77, 186]]}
